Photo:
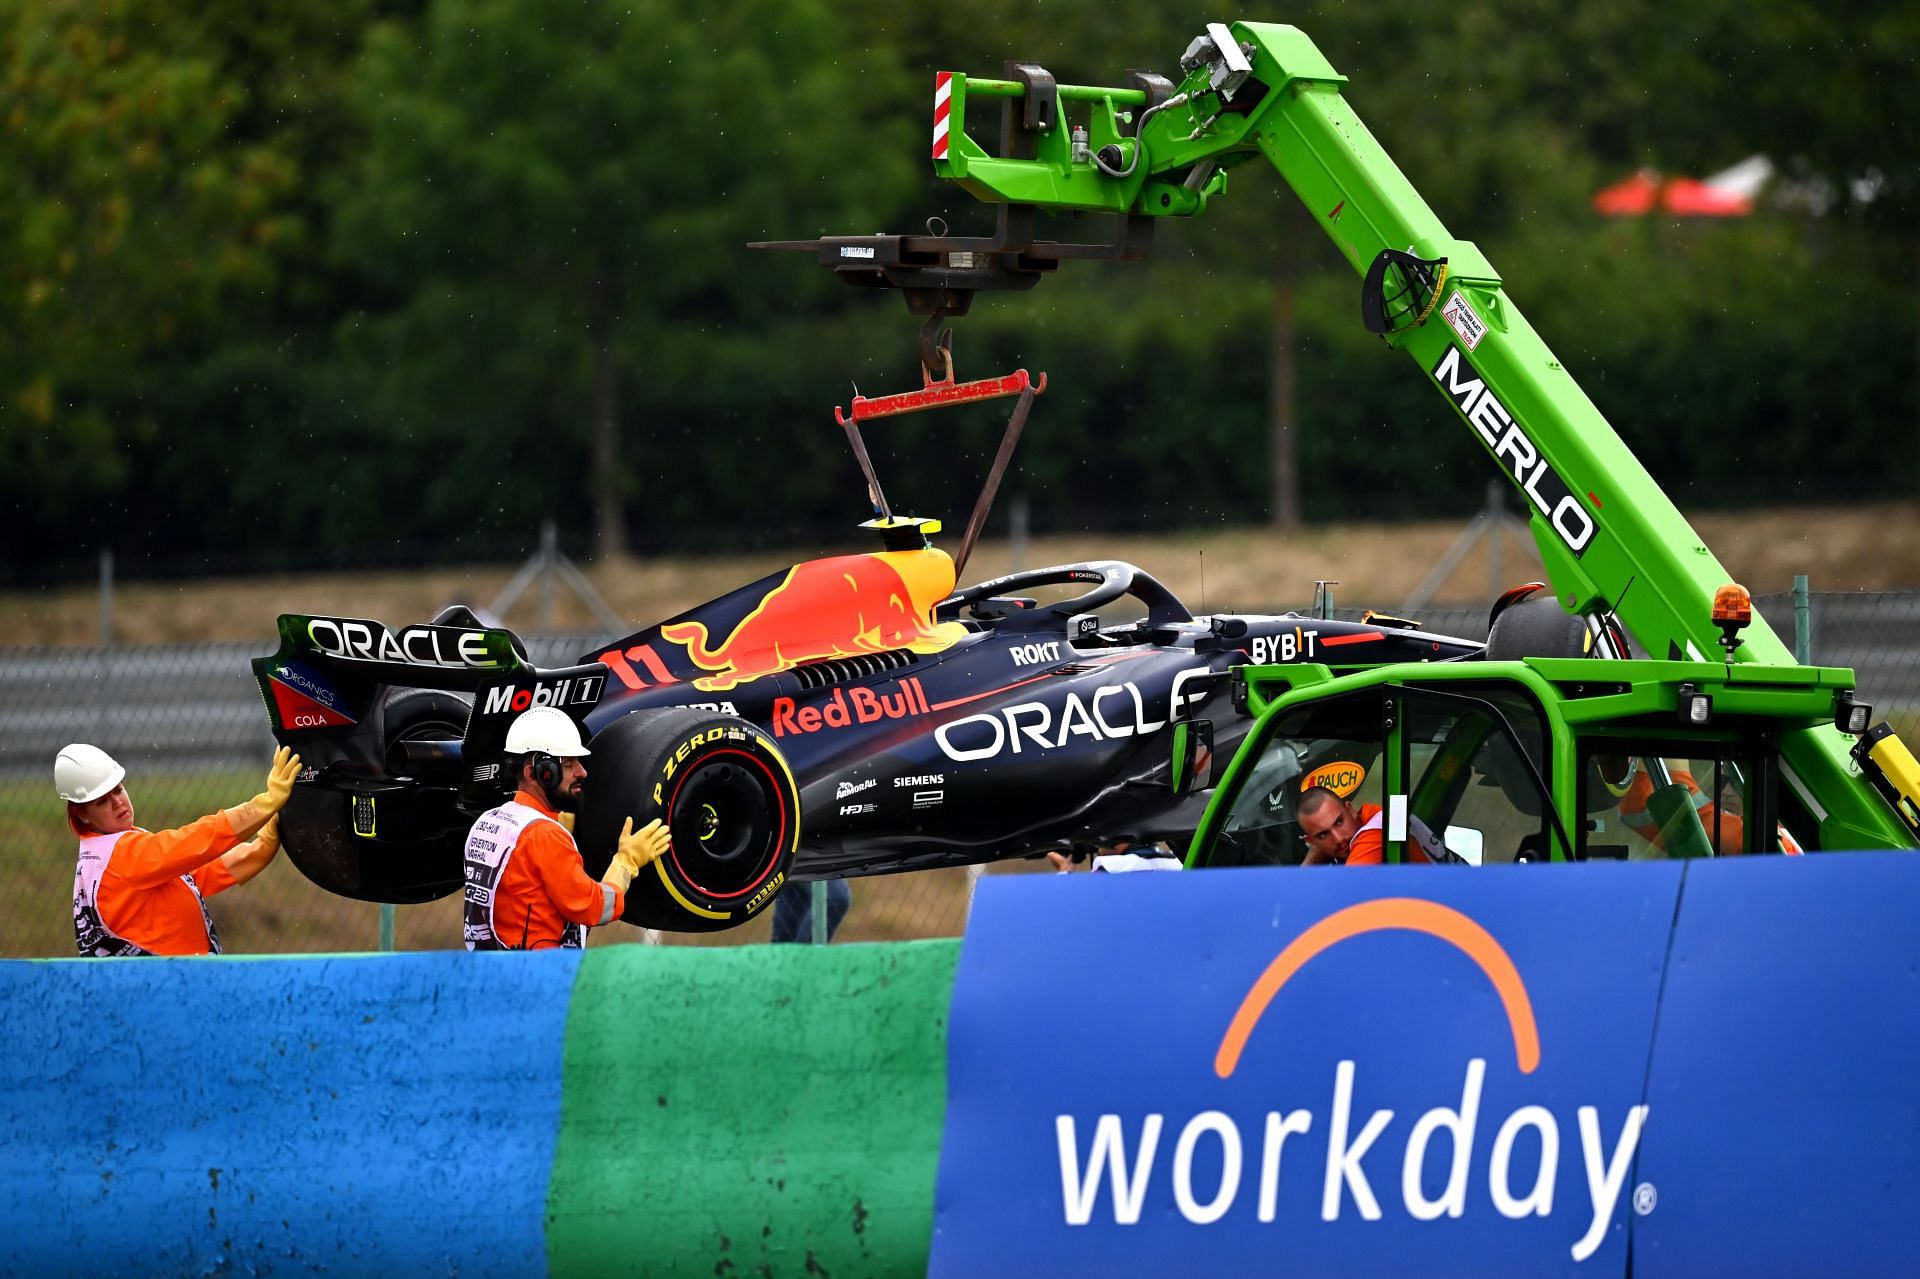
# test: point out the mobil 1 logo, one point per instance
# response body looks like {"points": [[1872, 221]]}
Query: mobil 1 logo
{"points": [[1515, 450]]}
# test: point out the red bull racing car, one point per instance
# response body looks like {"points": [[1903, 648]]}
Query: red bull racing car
{"points": [[850, 715]]}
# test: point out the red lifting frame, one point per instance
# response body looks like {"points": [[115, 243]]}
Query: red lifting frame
{"points": [[938, 393]]}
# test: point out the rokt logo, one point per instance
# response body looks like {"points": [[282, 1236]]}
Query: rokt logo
{"points": [[1130, 1174]]}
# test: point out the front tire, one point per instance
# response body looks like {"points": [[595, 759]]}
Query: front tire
{"points": [[726, 794]]}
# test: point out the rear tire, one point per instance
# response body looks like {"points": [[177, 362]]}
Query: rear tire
{"points": [[725, 792], [1537, 627], [419, 833]]}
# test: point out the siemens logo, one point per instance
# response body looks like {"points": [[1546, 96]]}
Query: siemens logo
{"points": [[1521, 457]]}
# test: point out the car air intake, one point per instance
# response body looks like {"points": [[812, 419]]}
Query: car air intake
{"points": [[839, 669]]}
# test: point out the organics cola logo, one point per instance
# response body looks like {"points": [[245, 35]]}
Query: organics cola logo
{"points": [[1521, 1178], [304, 698]]}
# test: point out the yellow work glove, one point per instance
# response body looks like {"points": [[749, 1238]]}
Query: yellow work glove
{"points": [[245, 819], [645, 844], [638, 848], [286, 767]]}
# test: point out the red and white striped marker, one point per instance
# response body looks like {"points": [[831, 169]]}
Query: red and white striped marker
{"points": [[942, 105]]}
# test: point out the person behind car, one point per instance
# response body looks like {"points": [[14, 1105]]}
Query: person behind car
{"points": [[1120, 857], [793, 910], [1720, 822], [1336, 832], [143, 892], [527, 888]]}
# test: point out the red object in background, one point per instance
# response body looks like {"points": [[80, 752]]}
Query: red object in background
{"points": [[1647, 191]]}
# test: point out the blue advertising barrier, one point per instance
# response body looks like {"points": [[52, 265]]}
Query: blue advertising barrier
{"points": [[320, 1113], [1784, 1136], [1515, 1070]]}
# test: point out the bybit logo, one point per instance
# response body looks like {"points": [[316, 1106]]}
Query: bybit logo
{"points": [[1345, 1176]]}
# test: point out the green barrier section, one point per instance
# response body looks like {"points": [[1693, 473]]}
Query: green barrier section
{"points": [[763, 1111]]}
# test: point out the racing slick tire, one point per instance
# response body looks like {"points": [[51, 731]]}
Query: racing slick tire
{"points": [[394, 838], [1537, 627], [725, 793]]}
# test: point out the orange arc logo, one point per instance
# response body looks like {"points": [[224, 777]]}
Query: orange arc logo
{"points": [[1407, 913]]}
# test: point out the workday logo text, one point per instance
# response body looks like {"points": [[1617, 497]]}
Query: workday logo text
{"points": [[1235, 1162]]}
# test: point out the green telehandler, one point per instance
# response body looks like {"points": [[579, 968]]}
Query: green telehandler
{"points": [[1716, 742]]}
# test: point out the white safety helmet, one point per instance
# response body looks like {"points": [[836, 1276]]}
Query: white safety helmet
{"points": [[83, 773], [545, 730]]}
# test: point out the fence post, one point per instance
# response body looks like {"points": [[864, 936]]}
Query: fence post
{"points": [[386, 927], [106, 597], [101, 697], [549, 566], [819, 890], [1017, 531], [1802, 622]]}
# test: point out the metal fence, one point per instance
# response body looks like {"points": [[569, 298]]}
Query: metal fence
{"points": [[188, 723]]}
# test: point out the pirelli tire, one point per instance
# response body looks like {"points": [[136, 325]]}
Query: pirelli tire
{"points": [[1537, 627], [726, 794], [405, 844]]}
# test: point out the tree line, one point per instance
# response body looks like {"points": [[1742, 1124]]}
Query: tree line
{"points": [[291, 285]]}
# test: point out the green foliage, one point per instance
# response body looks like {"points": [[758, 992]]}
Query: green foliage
{"points": [[346, 279], [154, 229]]}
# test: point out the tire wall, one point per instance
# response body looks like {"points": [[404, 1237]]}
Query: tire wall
{"points": [[624, 1110]]}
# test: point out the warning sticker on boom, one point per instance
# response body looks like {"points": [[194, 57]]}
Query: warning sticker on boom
{"points": [[1459, 313]]}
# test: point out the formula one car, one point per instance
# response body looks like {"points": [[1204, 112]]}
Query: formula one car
{"points": [[850, 715]]}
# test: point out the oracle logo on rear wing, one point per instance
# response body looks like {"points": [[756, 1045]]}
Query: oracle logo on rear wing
{"points": [[457, 648]]}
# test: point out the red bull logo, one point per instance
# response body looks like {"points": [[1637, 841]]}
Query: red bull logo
{"points": [[1245, 1171], [849, 706], [823, 609]]}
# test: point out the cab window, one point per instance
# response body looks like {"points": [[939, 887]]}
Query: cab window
{"points": [[1476, 767], [1649, 798], [1338, 743]]}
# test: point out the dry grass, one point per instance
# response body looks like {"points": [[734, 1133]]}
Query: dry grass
{"points": [[282, 912], [1866, 548]]}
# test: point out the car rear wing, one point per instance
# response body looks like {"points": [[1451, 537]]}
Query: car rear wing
{"points": [[328, 686]]}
